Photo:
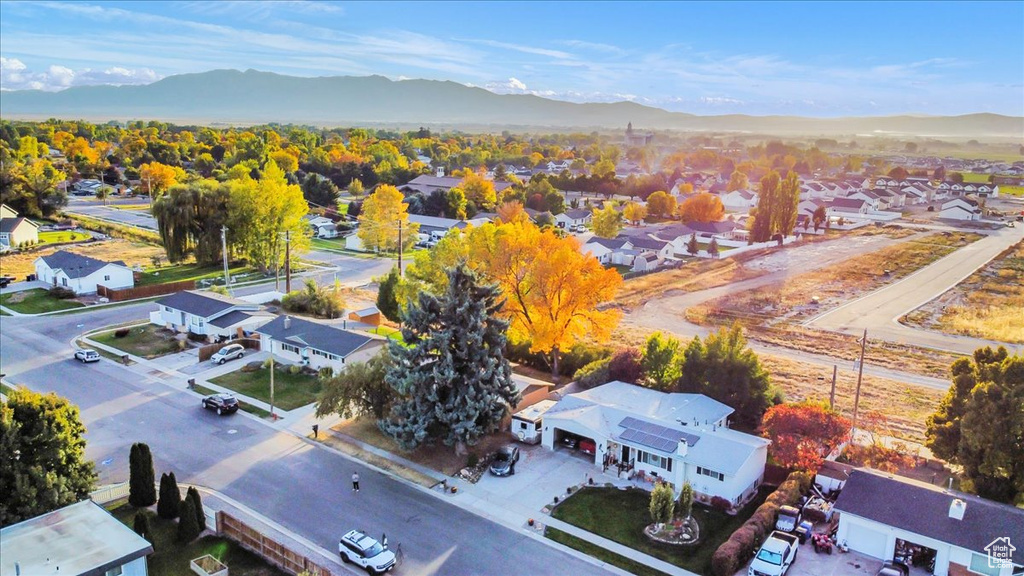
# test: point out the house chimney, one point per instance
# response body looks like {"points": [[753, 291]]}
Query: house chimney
{"points": [[682, 447], [957, 508], [287, 322], [440, 171]]}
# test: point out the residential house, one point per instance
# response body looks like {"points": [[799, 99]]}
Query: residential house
{"points": [[872, 199], [82, 539], [16, 231], [82, 274], [208, 314], [738, 200], [7, 212], [646, 262], [849, 206], [723, 229], [890, 199], [962, 208], [425, 184], [675, 437], [646, 243], [322, 227], [617, 251], [915, 195], [572, 218], [881, 515], [987, 190], [315, 344]]}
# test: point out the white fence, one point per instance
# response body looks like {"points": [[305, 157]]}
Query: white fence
{"points": [[109, 493]]}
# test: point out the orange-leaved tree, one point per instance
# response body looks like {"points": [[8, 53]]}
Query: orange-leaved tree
{"points": [[803, 433], [703, 207]]}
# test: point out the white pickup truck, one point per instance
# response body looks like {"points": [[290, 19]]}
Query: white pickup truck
{"points": [[775, 556]]}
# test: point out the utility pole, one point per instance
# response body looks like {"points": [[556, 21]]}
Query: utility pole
{"points": [[860, 376], [399, 247], [287, 261], [272, 415], [832, 396], [224, 251]]}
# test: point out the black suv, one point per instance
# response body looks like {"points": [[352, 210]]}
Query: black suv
{"points": [[222, 403], [504, 463]]}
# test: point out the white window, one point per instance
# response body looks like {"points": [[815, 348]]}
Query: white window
{"points": [[289, 348], [115, 571], [980, 565], [663, 462], [708, 472], [106, 277]]}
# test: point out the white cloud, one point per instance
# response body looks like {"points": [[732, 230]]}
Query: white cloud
{"points": [[510, 86], [15, 75]]}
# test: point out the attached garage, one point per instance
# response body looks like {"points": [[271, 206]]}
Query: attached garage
{"points": [[862, 537]]}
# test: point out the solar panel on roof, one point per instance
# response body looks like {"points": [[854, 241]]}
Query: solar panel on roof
{"points": [[658, 432]]}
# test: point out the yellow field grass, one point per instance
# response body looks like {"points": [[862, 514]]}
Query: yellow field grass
{"points": [[992, 301], [21, 264]]}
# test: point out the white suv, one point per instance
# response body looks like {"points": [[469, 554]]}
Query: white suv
{"points": [[358, 548], [229, 352]]}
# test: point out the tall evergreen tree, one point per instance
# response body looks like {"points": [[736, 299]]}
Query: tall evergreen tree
{"points": [[141, 478], [197, 505], [387, 296], [454, 380], [767, 207], [170, 497], [141, 525], [188, 528]]}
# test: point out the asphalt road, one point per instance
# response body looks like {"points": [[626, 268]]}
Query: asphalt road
{"points": [[95, 209], [879, 312], [298, 484]]}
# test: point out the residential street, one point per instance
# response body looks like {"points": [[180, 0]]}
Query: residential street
{"points": [[292, 481], [880, 311]]}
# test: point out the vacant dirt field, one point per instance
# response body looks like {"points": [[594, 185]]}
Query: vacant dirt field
{"points": [[988, 304], [20, 264], [693, 276]]}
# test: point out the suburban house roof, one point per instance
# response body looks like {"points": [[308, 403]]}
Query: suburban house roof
{"points": [[203, 304], [82, 539], [7, 212], [659, 420], [969, 201], [610, 243], [577, 214], [315, 335], [647, 243], [649, 257], [234, 317], [75, 265], [9, 225], [719, 227], [852, 203], [924, 509], [425, 182]]}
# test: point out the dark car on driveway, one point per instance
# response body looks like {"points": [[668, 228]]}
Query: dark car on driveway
{"points": [[222, 403], [504, 463], [5, 281]]}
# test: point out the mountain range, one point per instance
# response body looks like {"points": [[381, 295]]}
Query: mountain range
{"points": [[250, 97]]}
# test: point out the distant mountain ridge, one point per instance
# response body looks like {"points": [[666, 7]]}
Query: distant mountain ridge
{"points": [[232, 96]]}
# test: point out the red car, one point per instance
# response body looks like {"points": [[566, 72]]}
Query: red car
{"points": [[588, 446]]}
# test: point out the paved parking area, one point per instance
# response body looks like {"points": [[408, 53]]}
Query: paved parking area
{"points": [[541, 474], [810, 563]]}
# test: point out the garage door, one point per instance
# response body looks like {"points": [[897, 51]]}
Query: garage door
{"points": [[866, 541]]}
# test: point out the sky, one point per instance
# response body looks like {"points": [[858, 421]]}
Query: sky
{"points": [[802, 58]]}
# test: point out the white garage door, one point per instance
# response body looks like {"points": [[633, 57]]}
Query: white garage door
{"points": [[866, 541]]}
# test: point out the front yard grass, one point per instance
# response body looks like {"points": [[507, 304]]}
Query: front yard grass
{"points": [[631, 566], [182, 272], [171, 558], [388, 332], [147, 341], [36, 301], [291, 391], [621, 515], [60, 237]]}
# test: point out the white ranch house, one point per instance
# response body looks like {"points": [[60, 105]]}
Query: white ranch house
{"points": [[207, 313], [81, 274], [314, 344], [961, 209], [571, 218], [677, 437]]}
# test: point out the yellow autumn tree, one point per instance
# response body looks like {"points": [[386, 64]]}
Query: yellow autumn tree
{"points": [[606, 221], [634, 212], [478, 190], [383, 213], [512, 212], [157, 178], [261, 213]]}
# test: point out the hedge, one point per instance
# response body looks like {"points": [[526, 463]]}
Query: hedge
{"points": [[593, 374], [569, 361]]}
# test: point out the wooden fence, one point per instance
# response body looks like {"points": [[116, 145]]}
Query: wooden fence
{"points": [[144, 291], [269, 549], [249, 343]]}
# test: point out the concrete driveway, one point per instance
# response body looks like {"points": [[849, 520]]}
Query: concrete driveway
{"points": [[541, 474], [810, 563]]}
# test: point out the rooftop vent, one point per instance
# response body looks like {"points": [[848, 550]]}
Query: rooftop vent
{"points": [[957, 508], [287, 322]]}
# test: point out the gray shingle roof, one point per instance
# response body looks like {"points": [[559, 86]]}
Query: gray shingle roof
{"points": [[75, 265], [202, 304], [924, 509], [233, 317], [315, 335]]}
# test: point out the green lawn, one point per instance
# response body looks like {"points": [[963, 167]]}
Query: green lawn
{"points": [[147, 341], [181, 272], [387, 332], [970, 177], [621, 515], [631, 566], [291, 391], [36, 301], [171, 558], [57, 237], [1009, 190]]}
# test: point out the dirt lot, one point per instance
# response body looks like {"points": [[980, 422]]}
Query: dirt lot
{"points": [[988, 304], [20, 264]]}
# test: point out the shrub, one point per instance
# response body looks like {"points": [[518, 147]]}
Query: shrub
{"points": [[568, 363], [726, 560], [197, 504], [804, 479], [188, 528], [747, 540], [294, 369], [141, 526], [320, 301], [326, 372], [141, 478], [472, 460], [198, 337], [593, 374], [122, 332], [663, 504], [625, 366], [61, 293], [720, 503], [170, 497], [267, 362]]}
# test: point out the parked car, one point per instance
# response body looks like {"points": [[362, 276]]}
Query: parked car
{"points": [[360, 549], [5, 281], [890, 568], [222, 403], [570, 441], [85, 356], [504, 463], [588, 446], [229, 352], [775, 556], [579, 228]]}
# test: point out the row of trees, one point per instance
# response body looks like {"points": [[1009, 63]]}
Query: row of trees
{"points": [[142, 494]]}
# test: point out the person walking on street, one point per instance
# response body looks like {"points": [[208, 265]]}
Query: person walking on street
{"points": [[355, 481]]}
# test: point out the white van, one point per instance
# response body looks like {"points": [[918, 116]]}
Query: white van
{"points": [[527, 423]]}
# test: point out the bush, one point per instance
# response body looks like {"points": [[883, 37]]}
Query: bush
{"points": [[188, 528], [472, 460], [141, 526], [747, 541], [198, 337], [593, 374], [61, 293], [726, 560], [720, 503], [122, 332], [197, 504], [170, 497], [625, 366], [141, 478], [568, 363], [320, 301], [294, 369]]}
